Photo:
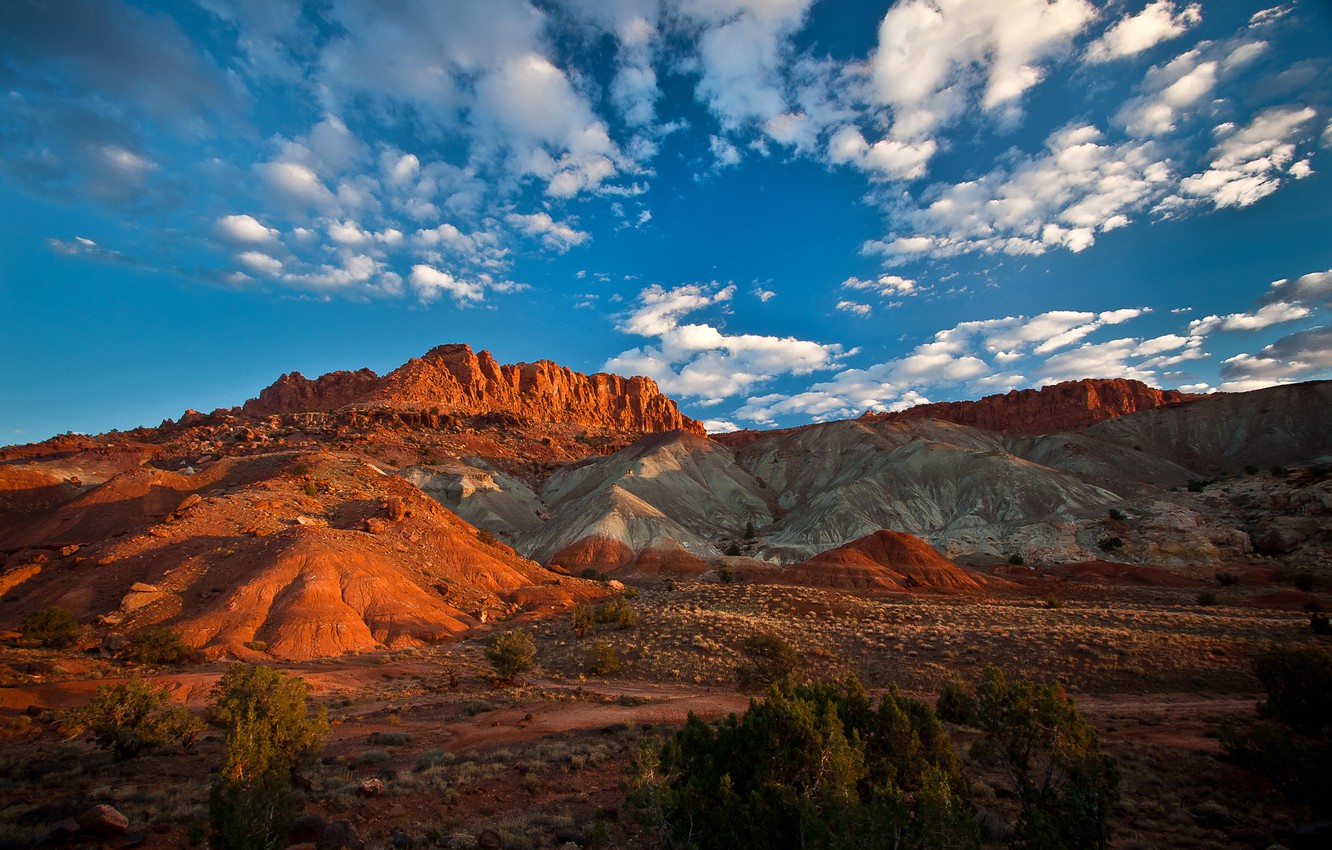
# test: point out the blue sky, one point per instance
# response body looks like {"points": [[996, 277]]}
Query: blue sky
{"points": [[782, 210]]}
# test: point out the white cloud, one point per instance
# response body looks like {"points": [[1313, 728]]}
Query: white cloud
{"points": [[245, 230], [430, 283], [260, 263], [1178, 90], [1159, 21], [1301, 356], [1264, 317], [557, 235], [853, 307], [932, 57], [885, 286], [885, 159], [699, 361], [742, 49], [1247, 163]]}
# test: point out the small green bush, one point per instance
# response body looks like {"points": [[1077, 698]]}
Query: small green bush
{"points": [[1304, 581], [1197, 485], [733, 550], [1117, 515], [725, 574], [54, 627], [618, 611], [605, 660], [132, 717], [1017, 559], [1111, 544], [511, 655], [771, 659], [1319, 624], [1206, 598], [390, 739], [582, 620], [594, 574], [156, 645], [1227, 579]]}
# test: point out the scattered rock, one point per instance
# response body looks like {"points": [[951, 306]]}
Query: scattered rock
{"points": [[190, 501], [140, 587], [66, 551], [307, 828], [64, 830], [105, 821], [340, 835], [489, 839], [395, 508], [373, 787]]}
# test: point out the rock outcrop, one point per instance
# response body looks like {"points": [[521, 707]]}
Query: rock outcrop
{"points": [[885, 561], [454, 379], [1059, 407]]}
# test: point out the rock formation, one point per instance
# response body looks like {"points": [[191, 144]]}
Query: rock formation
{"points": [[1059, 407], [454, 379], [885, 561]]}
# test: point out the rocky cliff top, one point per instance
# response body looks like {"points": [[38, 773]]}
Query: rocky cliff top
{"points": [[1059, 407], [454, 379]]}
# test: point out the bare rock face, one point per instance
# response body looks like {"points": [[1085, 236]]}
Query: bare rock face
{"points": [[454, 379], [1060, 407], [295, 393]]}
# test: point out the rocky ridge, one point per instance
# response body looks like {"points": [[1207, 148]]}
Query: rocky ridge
{"points": [[452, 379], [1058, 407]]}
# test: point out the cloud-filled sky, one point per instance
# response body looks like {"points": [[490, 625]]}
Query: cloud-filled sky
{"points": [[781, 210]]}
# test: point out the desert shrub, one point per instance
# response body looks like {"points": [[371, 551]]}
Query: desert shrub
{"points": [[725, 574], [390, 739], [1206, 598], [1292, 745], [812, 766], [1017, 559], [52, 627], [510, 655], [310, 489], [1227, 579], [618, 611], [1250, 469], [132, 717], [956, 704], [156, 645], [594, 574], [1054, 603], [1117, 515], [605, 660], [300, 469], [733, 550], [1110, 544], [487, 537], [770, 659], [750, 532], [1197, 485], [1278, 470], [1053, 760], [1304, 581], [269, 734], [1319, 624], [582, 620]]}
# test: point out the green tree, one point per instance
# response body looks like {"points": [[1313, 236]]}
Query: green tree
{"points": [[269, 735], [510, 655], [770, 659], [619, 611], [52, 627], [1052, 757], [1292, 745], [132, 717], [811, 766]]}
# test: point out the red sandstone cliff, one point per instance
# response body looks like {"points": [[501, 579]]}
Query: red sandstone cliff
{"points": [[1060, 407], [454, 379]]}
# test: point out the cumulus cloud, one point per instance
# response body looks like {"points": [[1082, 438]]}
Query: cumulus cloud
{"points": [[932, 59], [1159, 21], [245, 230], [1299, 356], [700, 361], [1247, 164], [853, 307], [556, 235], [885, 286]]}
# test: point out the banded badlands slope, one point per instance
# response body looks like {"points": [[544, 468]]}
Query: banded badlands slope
{"points": [[352, 512]]}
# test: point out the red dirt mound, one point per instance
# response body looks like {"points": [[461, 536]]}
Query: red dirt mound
{"points": [[885, 561]]}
